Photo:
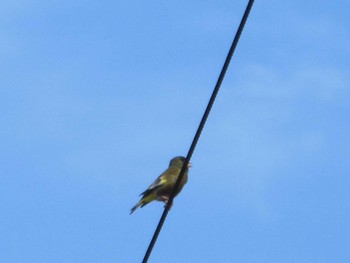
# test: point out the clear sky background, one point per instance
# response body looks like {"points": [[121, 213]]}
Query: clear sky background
{"points": [[97, 96]]}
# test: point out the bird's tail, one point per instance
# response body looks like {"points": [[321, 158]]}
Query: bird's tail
{"points": [[136, 206], [144, 201]]}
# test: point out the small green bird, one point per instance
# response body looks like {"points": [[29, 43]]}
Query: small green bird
{"points": [[162, 188]]}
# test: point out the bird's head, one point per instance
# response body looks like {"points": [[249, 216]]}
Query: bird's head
{"points": [[179, 161]]}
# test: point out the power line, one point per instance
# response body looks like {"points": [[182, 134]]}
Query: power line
{"points": [[199, 130]]}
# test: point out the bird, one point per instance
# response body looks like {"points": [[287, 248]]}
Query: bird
{"points": [[162, 187]]}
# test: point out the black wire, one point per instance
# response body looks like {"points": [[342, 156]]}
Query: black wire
{"points": [[199, 130]]}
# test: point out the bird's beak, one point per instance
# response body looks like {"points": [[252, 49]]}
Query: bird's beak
{"points": [[189, 165]]}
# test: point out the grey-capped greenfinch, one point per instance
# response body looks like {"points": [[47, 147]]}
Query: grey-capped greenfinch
{"points": [[162, 187]]}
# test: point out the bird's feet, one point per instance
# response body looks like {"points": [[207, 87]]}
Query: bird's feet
{"points": [[166, 203]]}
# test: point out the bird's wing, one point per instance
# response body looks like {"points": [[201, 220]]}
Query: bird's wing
{"points": [[161, 180], [168, 177]]}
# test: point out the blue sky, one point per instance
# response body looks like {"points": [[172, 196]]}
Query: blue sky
{"points": [[97, 96]]}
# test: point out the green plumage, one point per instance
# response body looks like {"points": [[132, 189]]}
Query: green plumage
{"points": [[162, 187]]}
